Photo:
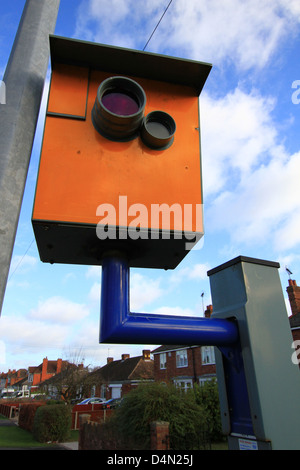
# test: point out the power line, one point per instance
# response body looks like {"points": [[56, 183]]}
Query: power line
{"points": [[157, 25], [21, 260]]}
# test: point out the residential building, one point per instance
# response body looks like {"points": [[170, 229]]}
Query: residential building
{"points": [[294, 297], [44, 371], [117, 378], [31, 378], [182, 365], [68, 384], [185, 365]]}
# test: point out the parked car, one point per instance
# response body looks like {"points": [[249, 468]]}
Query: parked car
{"points": [[76, 401], [7, 393], [22, 394], [89, 401], [112, 403]]}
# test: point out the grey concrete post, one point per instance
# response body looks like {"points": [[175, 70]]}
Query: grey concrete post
{"points": [[24, 82], [250, 291]]}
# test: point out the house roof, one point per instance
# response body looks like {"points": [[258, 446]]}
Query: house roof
{"points": [[135, 368], [65, 373], [172, 347], [51, 367]]}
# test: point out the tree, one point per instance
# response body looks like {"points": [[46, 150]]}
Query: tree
{"points": [[68, 384], [71, 382]]}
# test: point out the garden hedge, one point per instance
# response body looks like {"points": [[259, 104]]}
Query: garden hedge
{"points": [[52, 423]]}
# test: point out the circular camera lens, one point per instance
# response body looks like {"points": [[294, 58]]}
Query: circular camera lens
{"points": [[119, 108], [158, 130], [120, 103]]}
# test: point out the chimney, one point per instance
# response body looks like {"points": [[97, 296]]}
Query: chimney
{"points": [[110, 359], [146, 354], [294, 296], [58, 365], [125, 356], [208, 311], [44, 368]]}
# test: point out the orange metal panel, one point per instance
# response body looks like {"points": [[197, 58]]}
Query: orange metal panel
{"points": [[69, 88], [80, 169]]}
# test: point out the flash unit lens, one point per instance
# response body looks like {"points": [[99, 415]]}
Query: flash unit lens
{"points": [[118, 111], [158, 130]]}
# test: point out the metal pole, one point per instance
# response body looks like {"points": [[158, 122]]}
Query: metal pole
{"points": [[24, 82]]}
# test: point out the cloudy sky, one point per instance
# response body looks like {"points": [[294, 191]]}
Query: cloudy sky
{"points": [[250, 121]]}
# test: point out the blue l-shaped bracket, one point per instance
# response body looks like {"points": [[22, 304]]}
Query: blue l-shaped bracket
{"points": [[119, 325]]}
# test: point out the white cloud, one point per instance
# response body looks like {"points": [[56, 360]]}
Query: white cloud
{"points": [[95, 292], [237, 131], [93, 272], [263, 206], [117, 22], [143, 291], [60, 310], [176, 311], [251, 183], [287, 235], [243, 33], [22, 335], [197, 272]]}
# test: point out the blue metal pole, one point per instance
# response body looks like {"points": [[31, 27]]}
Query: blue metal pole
{"points": [[119, 325]]}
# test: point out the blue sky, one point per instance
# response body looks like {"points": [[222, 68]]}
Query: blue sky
{"points": [[251, 166]]}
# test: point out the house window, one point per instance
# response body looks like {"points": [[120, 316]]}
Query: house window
{"points": [[181, 358], [184, 384], [116, 391], [208, 355], [103, 391], [163, 361], [203, 380]]}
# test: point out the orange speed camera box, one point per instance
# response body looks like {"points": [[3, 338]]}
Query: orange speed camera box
{"points": [[120, 165]]}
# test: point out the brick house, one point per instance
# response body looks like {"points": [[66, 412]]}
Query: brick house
{"points": [[185, 365], [294, 297], [44, 371], [117, 378]]}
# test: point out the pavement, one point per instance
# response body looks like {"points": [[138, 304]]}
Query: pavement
{"points": [[69, 445], [58, 446]]}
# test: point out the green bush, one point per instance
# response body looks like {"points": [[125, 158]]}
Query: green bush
{"points": [[52, 423], [207, 396], [158, 402], [51, 401]]}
